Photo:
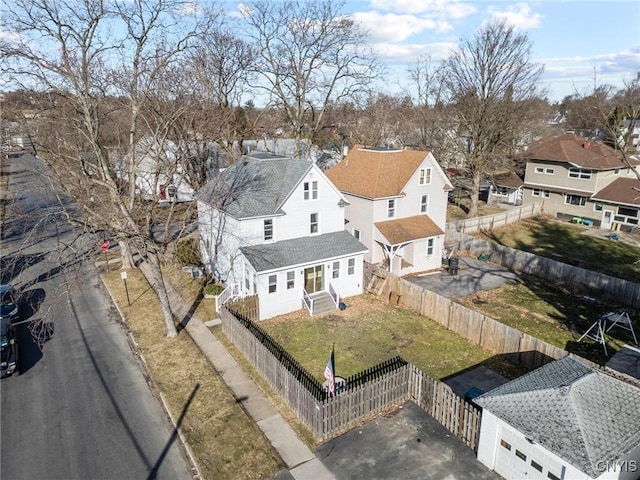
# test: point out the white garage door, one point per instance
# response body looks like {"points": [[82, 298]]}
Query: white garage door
{"points": [[517, 458]]}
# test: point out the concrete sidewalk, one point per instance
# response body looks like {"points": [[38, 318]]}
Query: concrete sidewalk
{"points": [[300, 461]]}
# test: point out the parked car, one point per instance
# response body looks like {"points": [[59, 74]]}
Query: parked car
{"points": [[9, 313]]}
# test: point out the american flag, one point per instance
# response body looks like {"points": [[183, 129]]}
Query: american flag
{"points": [[329, 375]]}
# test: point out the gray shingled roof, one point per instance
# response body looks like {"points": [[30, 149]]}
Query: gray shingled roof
{"points": [[254, 187], [582, 415], [299, 251]]}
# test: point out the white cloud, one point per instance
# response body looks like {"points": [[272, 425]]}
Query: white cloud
{"points": [[403, 54], [519, 16], [436, 8], [390, 27]]}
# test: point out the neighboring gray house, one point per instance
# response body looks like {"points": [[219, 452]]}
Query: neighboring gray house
{"points": [[563, 421]]}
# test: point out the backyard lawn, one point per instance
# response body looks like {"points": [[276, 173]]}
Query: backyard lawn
{"points": [[370, 331], [552, 314], [564, 242]]}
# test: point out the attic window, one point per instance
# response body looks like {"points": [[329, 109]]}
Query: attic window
{"points": [[425, 176], [311, 190]]}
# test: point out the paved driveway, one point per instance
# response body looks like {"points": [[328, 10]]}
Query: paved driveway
{"points": [[473, 276], [407, 444]]}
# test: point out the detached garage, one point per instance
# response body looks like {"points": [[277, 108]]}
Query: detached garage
{"points": [[563, 421]]}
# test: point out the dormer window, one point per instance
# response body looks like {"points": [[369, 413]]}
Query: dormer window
{"points": [[310, 190], [425, 176]]}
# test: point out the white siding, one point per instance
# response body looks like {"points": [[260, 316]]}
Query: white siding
{"points": [[287, 300], [513, 467]]}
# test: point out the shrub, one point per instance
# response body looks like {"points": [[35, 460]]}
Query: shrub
{"points": [[188, 251], [213, 289]]}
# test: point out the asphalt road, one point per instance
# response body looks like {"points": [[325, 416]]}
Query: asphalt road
{"points": [[81, 407]]}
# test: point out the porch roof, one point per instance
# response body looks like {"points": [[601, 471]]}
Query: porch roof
{"points": [[407, 229], [301, 251]]}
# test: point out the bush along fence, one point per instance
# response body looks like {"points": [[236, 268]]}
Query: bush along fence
{"points": [[365, 394], [578, 280]]}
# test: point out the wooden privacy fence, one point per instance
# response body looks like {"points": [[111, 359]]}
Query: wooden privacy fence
{"points": [[576, 279], [498, 220], [438, 400], [482, 330], [247, 307], [372, 391]]}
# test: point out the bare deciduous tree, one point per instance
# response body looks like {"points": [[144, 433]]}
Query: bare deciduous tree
{"points": [[87, 53], [489, 80], [309, 55]]}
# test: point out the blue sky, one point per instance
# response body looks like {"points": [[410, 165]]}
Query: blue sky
{"points": [[575, 40]]}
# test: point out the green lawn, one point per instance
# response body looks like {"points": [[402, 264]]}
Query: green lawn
{"points": [[552, 314], [563, 241], [369, 332]]}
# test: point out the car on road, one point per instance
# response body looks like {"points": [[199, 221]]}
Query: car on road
{"points": [[9, 313]]}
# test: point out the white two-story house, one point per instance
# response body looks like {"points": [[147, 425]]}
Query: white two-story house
{"points": [[274, 226], [397, 206], [582, 180]]}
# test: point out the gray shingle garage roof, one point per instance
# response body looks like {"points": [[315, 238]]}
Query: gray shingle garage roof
{"points": [[582, 415], [299, 251]]}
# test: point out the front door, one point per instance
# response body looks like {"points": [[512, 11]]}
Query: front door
{"points": [[607, 216], [313, 279]]}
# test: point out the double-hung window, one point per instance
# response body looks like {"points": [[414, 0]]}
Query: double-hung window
{"points": [[424, 204], [430, 246], [291, 279], [268, 229], [352, 266], [310, 190], [391, 208], [336, 270], [313, 223], [424, 176], [273, 283]]}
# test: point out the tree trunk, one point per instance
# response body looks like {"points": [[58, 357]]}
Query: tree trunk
{"points": [[127, 257], [151, 270], [474, 195]]}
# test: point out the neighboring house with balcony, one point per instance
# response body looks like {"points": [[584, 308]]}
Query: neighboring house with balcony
{"points": [[397, 206], [564, 420], [567, 171], [273, 226]]}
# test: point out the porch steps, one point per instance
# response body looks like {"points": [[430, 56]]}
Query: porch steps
{"points": [[323, 303]]}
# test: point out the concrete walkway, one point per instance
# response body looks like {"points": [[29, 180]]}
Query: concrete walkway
{"points": [[300, 461]]}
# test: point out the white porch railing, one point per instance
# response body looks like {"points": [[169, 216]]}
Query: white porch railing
{"points": [[334, 295], [224, 296], [308, 301]]}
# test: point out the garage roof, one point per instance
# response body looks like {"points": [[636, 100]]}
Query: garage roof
{"points": [[582, 415]]}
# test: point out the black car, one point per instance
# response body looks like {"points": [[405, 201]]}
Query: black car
{"points": [[9, 312]]}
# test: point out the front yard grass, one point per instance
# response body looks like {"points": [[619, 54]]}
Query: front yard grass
{"points": [[552, 314], [225, 441], [564, 242], [369, 332]]}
